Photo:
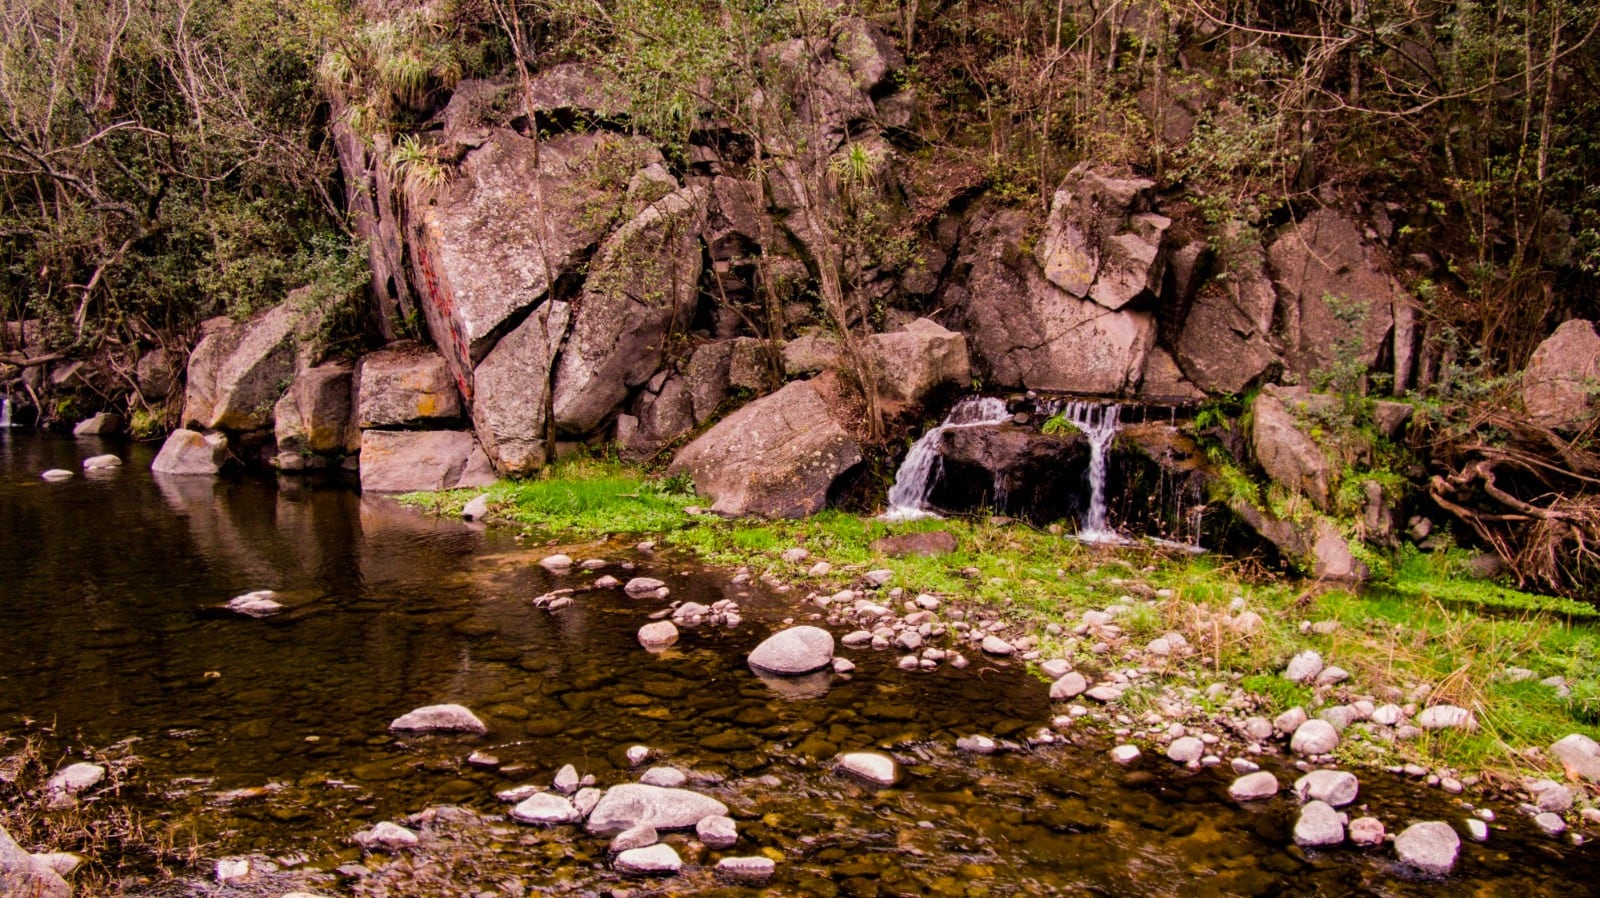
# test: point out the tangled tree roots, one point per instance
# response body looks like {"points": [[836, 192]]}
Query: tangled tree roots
{"points": [[1533, 496]]}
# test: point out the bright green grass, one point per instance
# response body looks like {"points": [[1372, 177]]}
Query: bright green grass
{"points": [[585, 496]]}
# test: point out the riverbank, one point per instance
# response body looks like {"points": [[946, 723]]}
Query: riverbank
{"points": [[1186, 644]]}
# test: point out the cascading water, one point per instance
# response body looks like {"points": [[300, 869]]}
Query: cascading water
{"points": [[5, 412], [908, 498], [1099, 424]]}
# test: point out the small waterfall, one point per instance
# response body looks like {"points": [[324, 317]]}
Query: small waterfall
{"points": [[908, 498], [5, 412], [1099, 424]]}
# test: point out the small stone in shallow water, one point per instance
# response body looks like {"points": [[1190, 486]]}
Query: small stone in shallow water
{"points": [[1552, 824], [871, 766], [666, 777], [447, 718], [794, 651], [1319, 825], [1336, 787], [630, 804], [545, 808], [843, 665], [74, 779], [386, 835], [1242, 766], [746, 869], [477, 508], [658, 635], [567, 780], [654, 860], [1125, 754], [556, 564], [260, 603], [642, 836], [717, 831], [607, 582], [645, 588], [1254, 786], [1477, 830], [977, 744], [637, 754], [56, 475], [1430, 847], [101, 462], [1366, 831]]}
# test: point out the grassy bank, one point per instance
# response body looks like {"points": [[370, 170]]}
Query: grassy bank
{"points": [[1425, 636]]}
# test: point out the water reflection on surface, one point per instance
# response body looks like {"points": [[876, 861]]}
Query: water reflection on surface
{"points": [[112, 595]]}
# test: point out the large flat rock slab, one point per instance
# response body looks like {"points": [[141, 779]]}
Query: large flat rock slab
{"points": [[776, 457]]}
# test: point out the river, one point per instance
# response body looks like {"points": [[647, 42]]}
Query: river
{"points": [[270, 736]]}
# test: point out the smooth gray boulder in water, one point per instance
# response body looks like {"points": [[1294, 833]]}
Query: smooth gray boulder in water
{"points": [[101, 462], [658, 859], [1254, 786], [1319, 826], [872, 766], [1336, 787], [797, 650], [631, 804], [1430, 847], [439, 719], [546, 808]]}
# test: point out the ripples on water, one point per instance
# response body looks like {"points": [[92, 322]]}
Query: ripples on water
{"points": [[272, 734]]}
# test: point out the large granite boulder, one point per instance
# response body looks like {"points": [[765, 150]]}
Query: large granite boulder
{"points": [[1284, 448], [394, 461], [405, 385], [521, 215], [1225, 343], [24, 876], [641, 287], [513, 384], [188, 452], [910, 363], [663, 412], [315, 414], [1100, 241], [238, 370], [1336, 299], [1563, 377], [1030, 332], [775, 457]]}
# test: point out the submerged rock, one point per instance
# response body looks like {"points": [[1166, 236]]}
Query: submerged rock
{"points": [[260, 603], [386, 835], [746, 869], [101, 462], [448, 718], [797, 650]]}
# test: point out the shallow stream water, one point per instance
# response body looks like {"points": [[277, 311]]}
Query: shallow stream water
{"points": [[270, 736]]}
